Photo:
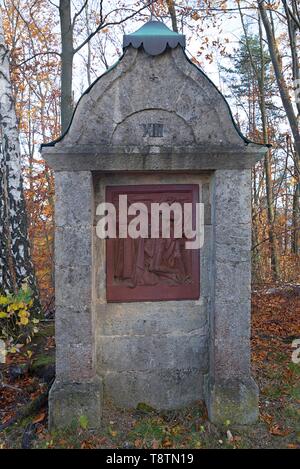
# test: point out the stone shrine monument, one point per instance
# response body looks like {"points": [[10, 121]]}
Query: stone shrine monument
{"points": [[146, 320]]}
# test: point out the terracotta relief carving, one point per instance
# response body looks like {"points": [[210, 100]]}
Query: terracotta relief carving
{"points": [[152, 269]]}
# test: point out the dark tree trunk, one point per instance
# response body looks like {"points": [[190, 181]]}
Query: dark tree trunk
{"points": [[67, 55], [282, 86], [293, 26], [172, 12], [260, 79]]}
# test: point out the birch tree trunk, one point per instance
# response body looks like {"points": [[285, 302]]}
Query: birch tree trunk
{"points": [[15, 262]]}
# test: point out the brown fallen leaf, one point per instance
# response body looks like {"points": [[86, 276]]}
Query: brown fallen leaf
{"points": [[277, 431], [86, 445], [267, 418], [40, 429], [39, 418], [167, 443], [138, 443], [61, 442], [102, 441], [198, 424], [176, 430], [155, 444]]}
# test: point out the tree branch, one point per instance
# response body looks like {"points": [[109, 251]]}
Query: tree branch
{"points": [[36, 55], [291, 230], [103, 25], [53, 4], [78, 13], [287, 8]]}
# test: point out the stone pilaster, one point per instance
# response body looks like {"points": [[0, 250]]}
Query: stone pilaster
{"points": [[77, 389], [231, 393]]}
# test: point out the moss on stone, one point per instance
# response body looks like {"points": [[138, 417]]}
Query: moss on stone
{"points": [[42, 360], [145, 408]]}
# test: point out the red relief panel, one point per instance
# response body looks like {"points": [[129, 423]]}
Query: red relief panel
{"points": [[146, 269]]}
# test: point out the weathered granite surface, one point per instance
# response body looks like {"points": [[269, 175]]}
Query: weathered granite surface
{"points": [[198, 130], [230, 391], [77, 389], [153, 352]]}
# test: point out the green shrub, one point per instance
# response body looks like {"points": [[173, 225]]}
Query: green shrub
{"points": [[17, 324]]}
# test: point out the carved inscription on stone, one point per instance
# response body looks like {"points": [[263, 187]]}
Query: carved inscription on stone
{"points": [[153, 130], [152, 269]]}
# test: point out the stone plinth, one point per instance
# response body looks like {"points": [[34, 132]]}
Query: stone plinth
{"points": [[153, 120]]}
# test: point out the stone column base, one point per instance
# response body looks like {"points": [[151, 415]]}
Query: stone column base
{"points": [[233, 400], [68, 401]]}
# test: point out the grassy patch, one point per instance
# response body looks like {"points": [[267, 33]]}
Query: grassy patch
{"points": [[144, 427]]}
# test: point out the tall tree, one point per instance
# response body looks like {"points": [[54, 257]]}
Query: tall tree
{"points": [[293, 117], [69, 48], [172, 12], [15, 262], [259, 70], [67, 57], [31, 31]]}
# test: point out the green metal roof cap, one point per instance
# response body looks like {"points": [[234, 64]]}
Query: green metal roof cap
{"points": [[155, 37]]}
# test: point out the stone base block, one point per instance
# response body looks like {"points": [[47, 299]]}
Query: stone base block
{"points": [[162, 389], [234, 400], [69, 401]]}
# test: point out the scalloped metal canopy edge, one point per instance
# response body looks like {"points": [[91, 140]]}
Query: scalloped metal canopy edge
{"points": [[154, 37]]}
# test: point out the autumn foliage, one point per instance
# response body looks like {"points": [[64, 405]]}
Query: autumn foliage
{"points": [[32, 33]]}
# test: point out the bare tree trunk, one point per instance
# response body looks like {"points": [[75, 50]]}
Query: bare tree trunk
{"points": [[15, 261], [88, 62], [67, 55], [268, 171], [89, 53], [68, 50], [296, 208], [256, 258], [260, 78], [286, 101], [282, 86], [292, 20], [172, 12]]}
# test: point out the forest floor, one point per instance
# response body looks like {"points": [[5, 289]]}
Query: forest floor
{"points": [[275, 324]]}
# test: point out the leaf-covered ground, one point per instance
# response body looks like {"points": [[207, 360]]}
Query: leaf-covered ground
{"points": [[276, 323]]}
